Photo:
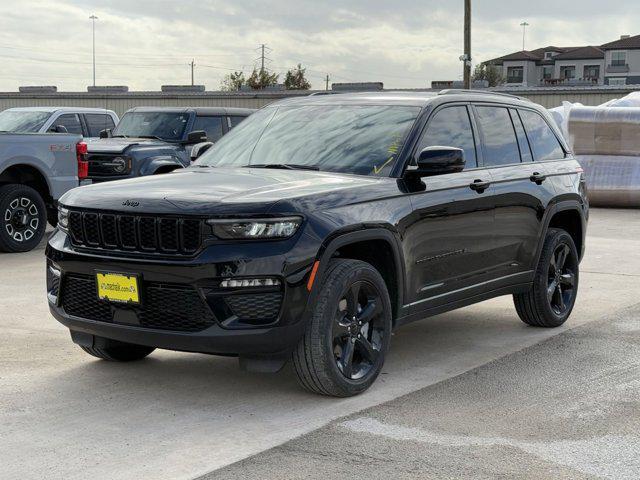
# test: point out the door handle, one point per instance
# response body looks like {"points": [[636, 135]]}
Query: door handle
{"points": [[538, 178], [479, 185]]}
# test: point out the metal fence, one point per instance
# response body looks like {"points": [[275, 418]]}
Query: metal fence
{"points": [[121, 102]]}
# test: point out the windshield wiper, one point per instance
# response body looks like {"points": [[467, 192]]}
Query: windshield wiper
{"points": [[150, 136], [284, 166]]}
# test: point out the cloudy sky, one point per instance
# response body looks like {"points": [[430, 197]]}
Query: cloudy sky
{"points": [[403, 43]]}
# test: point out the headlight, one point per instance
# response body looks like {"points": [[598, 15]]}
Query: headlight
{"points": [[63, 218], [255, 228]]}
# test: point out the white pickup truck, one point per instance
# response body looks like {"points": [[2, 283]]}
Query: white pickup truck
{"points": [[88, 122], [36, 169]]}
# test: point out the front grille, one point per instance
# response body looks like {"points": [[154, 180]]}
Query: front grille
{"points": [[164, 306], [135, 233], [101, 165]]}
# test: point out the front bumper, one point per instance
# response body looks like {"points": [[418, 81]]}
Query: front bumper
{"points": [[224, 331]]}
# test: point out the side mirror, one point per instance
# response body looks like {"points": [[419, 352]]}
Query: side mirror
{"points": [[199, 148], [59, 129], [106, 133], [197, 136], [438, 161]]}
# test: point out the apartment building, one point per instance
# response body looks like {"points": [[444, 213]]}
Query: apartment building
{"points": [[614, 63]]}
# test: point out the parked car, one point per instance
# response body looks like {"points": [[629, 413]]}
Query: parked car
{"points": [[151, 140], [88, 122], [318, 226], [35, 171]]}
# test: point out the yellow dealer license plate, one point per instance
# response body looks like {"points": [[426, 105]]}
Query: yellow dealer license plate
{"points": [[118, 287]]}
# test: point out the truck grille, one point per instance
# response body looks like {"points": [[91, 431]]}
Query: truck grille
{"points": [[135, 233], [101, 165], [164, 306]]}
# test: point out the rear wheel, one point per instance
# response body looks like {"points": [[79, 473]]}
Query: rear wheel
{"points": [[23, 218], [555, 286], [347, 338], [119, 352]]}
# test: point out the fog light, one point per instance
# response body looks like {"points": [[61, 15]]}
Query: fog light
{"points": [[249, 282]]}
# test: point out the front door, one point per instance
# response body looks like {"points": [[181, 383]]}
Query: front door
{"points": [[450, 237]]}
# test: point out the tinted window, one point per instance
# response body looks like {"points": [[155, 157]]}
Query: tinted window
{"points": [[543, 141], [500, 146], [70, 121], [525, 149], [235, 120], [359, 139], [211, 125], [451, 127], [20, 121], [96, 122]]}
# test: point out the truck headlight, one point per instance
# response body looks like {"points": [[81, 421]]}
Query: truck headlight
{"points": [[263, 228], [63, 218]]}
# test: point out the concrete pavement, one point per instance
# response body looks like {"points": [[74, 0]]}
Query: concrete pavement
{"points": [[66, 415]]}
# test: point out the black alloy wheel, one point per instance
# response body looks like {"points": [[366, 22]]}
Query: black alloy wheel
{"points": [[348, 333], [358, 330], [562, 279], [550, 300]]}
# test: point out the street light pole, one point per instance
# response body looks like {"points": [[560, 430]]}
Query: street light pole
{"points": [[93, 30], [524, 26], [467, 44]]}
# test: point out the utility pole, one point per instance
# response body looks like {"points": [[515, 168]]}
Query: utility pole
{"points": [[327, 80], [93, 29], [524, 26], [467, 44], [193, 64], [262, 58]]}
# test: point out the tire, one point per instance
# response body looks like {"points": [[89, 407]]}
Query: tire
{"points": [[120, 352], [23, 218], [552, 296], [347, 337]]}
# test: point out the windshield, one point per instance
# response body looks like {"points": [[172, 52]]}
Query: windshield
{"points": [[360, 139], [168, 126], [17, 121]]}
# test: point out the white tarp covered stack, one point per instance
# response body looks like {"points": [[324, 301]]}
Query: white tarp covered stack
{"points": [[606, 141]]}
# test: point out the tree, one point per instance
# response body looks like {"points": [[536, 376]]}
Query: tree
{"points": [[260, 79], [295, 79], [489, 72], [232, 82]]}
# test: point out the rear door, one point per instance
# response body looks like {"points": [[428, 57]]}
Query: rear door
{"points": [[520, 188], [449, 241]]}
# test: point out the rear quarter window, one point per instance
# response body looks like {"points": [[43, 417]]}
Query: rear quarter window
{"points": [[543, 141]]}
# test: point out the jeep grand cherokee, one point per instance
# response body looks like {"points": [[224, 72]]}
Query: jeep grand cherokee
{"points": [[319, 225]]}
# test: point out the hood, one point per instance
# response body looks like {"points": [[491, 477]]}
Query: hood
{"points": [[217, 190], [119, 145]]}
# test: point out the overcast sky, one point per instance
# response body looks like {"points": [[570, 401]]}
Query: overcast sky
{"points": [[403, 43]]}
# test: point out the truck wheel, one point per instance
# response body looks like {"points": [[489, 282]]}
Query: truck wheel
{"points": [[23, 218], [123, 352], [347, 337], [555, 285]]}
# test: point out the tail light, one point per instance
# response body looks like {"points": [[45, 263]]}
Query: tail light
{"points": [[83, 165]]}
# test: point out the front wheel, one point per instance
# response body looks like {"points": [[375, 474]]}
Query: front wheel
{"points": [[346, 340], [23, 218], [550, 300]]}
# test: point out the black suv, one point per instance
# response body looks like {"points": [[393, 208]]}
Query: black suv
{"points": [[319, 225], [152, 140]]}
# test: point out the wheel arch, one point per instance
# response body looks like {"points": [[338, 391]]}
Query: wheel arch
{"points": [[161, 164], [568, 216], [29, 175], [376, 246]]}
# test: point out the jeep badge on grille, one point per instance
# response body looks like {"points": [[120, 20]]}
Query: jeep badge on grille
{"points": [[130, 203]]}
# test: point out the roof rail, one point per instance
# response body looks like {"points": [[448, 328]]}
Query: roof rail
{"points": [[452, 91], [326, 92]]}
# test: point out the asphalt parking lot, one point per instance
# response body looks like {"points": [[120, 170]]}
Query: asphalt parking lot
{"points": [[472, 393]]}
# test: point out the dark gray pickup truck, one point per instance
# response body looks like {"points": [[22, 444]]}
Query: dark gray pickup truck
{"points": [[151, 140]]}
